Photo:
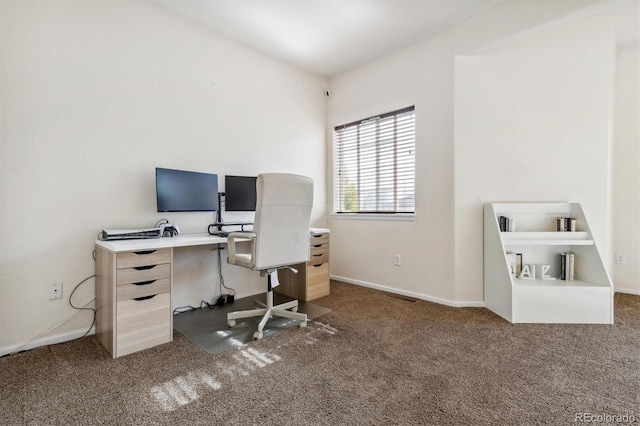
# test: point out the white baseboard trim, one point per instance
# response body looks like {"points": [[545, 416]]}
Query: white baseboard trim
{"points": [[46, 341], [420, 296], [627, 291]]}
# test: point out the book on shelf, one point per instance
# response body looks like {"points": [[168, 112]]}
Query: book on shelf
{"points": [[567, 266], [565, 224], [506, 224], [571, 268]]}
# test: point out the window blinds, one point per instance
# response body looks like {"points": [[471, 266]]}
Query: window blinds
{"points": [[374, 164]]}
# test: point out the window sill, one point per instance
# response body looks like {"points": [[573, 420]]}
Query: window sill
{"points": [[409, 217]]}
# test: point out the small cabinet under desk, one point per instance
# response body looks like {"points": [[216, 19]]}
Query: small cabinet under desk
{"points": [[133, 299], [312, 280]]}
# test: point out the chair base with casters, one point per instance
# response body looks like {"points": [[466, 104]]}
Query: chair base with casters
{"points": [[268, 310]]}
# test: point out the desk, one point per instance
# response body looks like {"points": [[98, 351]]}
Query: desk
{"points": [[134, 281]]}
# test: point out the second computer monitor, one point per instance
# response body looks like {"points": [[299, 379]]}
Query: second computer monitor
{"points": [[240, 193]]}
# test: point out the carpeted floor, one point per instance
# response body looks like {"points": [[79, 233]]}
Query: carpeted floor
{"points": [[375, 359]]}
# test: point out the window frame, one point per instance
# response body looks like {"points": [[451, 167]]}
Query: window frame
{"points": [[339, 151]]}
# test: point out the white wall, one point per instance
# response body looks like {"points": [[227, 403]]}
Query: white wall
{"points": [[626, 175], [95, 95], [532, 123], [362, 251]]}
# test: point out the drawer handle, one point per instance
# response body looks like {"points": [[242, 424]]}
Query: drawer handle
{"points": [[144, 297], [143, 252], [318, 265], [318, 245], [144, 268], [144, 282]]}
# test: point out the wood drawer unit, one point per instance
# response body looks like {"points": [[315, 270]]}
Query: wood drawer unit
{"points": [[317, 281], [133, 299], [143, 323], [312, 279]]}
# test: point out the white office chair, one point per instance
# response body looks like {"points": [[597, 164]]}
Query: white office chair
{"points": [[280, 238]]}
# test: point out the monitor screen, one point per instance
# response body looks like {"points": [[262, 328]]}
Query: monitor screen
{"points": [[184, 191], [239, 193]]}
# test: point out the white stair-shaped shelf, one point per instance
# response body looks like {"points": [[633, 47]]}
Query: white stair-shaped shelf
{"points": [[586, 299]]}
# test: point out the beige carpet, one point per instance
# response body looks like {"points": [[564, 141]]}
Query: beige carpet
{"points": [[375, 359]]}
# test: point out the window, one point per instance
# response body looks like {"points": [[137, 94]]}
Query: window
{"points": [[374, 164]]}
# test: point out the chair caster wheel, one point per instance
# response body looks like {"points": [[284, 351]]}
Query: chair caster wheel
{"points": [[258, 335], [303, 324], [231, 323]]}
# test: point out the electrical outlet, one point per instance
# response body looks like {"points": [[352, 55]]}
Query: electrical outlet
{"points": [[396, 260], [621, 259], [55, 291]]}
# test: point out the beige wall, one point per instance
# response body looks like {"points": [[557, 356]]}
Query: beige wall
{"points": [[95, 95], [626, 176], [532, 124], [433, 246], [362, 251]]}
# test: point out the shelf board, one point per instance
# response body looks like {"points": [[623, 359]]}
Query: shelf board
{"points": [[548, 242], [560, 209], [545, 239], [517, 282]]}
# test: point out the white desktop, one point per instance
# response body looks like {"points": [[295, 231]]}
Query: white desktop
{"points": [[183, 240]]}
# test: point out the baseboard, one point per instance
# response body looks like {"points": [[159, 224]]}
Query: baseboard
{"points": [[46, 341], [420, 296], [633, 291]]}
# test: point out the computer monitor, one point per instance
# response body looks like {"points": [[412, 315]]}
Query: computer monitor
{"points": [[185, 191], [239, 193]]}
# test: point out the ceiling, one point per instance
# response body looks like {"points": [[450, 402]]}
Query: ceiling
{"points": [[327, 37]]}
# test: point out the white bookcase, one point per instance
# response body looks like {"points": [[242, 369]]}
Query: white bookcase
{"points": [[586, 299]]}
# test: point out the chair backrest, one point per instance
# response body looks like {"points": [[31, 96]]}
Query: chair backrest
{"points": [[282, 220]]}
